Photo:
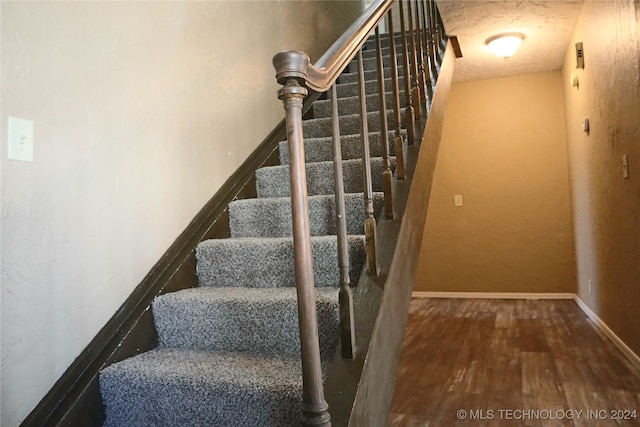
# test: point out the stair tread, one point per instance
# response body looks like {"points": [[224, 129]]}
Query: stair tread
{"points": [[271, 216], [261, 240], [257, 320], [326, 162], [274, 180], [201, 366], [269, 261], [168, 387], [210, 294]]}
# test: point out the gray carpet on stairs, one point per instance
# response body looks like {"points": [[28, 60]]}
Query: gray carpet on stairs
{"points": [[264, 217], [273, 181], [349, 125], [269, 262], [372, 63], [351, 105], [350, 77], [321, 149], [195, 388], [228, 350], [253, 320], [371, 86]]}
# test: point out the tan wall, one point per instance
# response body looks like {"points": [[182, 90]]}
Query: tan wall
{"points": [[606, 207], [140, 113], [504, 151]]}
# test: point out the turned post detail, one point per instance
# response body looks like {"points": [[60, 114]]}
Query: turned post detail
{"points": [[291, 72]]}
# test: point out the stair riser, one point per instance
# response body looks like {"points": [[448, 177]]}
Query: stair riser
{"points": [[372, 63], [371, 52], [321, 149], [352, 106], [274, 181], [257, 322], [174, 405], [270, 263], [349, 125], [384, 42], [386, 53], [370, 75], [272, 217], [371, 87]]}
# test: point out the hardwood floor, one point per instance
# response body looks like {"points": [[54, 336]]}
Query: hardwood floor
{"points": [[477, 363]]}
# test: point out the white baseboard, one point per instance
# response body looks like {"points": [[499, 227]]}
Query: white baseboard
{"points": [[631, 355], [492, 295], [617, 341]]}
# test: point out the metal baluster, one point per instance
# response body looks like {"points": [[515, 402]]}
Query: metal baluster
{"points": [[314, 406], [387, 177], [398, 142], [370, 220], [414, 65], [427, 46], [345, 296], [409, 113]]}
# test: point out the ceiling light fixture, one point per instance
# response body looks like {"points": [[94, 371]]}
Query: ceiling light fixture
{"points": [[504, 45]]}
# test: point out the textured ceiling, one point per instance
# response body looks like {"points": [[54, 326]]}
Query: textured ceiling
{"points": [[546, 24]]}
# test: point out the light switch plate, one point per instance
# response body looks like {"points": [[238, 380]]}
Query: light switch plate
{"points": [[457, 200], [20, 139]]}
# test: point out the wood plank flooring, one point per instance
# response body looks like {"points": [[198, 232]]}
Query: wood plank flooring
{"points": [[485, 363]]}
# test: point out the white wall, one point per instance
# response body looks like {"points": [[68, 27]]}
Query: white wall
{"points": [[140, 113]]}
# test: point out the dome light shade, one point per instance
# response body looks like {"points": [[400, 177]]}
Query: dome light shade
{"points": [[504, 45]]}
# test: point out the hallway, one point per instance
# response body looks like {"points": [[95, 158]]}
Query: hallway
{"points": [[477, 362]]}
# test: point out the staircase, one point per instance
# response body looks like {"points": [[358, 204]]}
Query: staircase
{"points": [[229, 350]]}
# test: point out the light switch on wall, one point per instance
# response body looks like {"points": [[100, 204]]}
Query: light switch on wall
{"points": [[457, 200], [20, 139]]}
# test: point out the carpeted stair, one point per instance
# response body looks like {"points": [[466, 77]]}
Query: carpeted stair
{"points": [[228, 350]]}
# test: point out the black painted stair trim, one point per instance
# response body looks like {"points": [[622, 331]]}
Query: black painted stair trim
{"points": [[75, 400]]}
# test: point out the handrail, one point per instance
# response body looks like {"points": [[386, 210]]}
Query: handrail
{"points": [[321, 75]]}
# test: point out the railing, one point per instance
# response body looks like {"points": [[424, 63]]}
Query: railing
{"points": [[295, 72]]}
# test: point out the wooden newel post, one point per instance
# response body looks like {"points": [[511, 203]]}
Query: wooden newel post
{"points": [[291, 71]]}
